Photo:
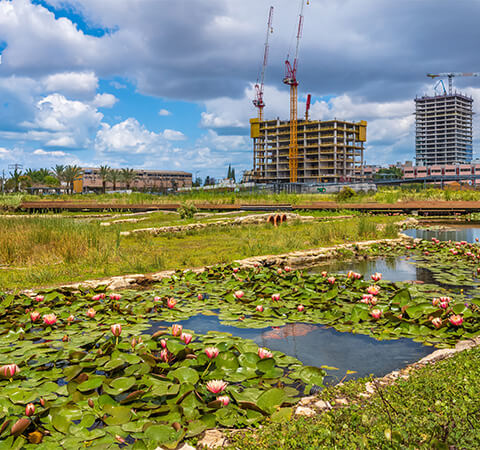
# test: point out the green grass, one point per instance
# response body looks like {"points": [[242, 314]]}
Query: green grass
{"points": [[50, 251], [436, 408], [384, 195]]}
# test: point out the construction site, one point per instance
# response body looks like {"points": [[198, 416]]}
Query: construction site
{"points": [[302, 151]]}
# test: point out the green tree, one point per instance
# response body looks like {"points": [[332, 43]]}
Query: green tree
{"points": [[128, 176], [58, 172], [104, 175], [15, 178], [113, 177], [71, 174]]}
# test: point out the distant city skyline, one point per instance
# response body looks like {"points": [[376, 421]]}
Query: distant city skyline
{"points": [[169, 85]]}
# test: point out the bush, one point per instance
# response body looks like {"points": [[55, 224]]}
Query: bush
{"points": [[187, 211], [345, 194]]}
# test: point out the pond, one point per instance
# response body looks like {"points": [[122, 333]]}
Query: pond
{"points": [[453, 233], [354, 355]]}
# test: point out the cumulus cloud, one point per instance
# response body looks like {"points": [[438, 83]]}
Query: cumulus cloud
{"points": [[67, 123], [164, 112], [173, 135], [127, 136], [104, 101], [72, 83], [41, 152]]}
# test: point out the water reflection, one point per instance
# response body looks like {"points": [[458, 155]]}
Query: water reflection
{"points": [[317, 345], [454, 233]]}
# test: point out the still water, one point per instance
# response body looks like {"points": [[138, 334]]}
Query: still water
{"points": [[317, 345]]}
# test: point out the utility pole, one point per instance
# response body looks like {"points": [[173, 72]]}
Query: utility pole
{"points": [[3, 181]]}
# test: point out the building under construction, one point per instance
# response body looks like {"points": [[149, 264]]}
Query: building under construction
{"points": [[328, 151]]}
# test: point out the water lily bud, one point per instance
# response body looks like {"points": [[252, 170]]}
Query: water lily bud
{"points": [[324, 274], [376, 313], [186, 337], [300, 308], [239, 294], [224, 400], [9, 370], [91, 313], [42, 401], [279, 271], [133, 343], [331, 280], [116, 329], [34, 316], [437, 322], [212, 352], [176, 329], [157, 299], [200, 296], [163, 343], [39, 298], [235, 270], [90, 403], [287, 269], [259, 308], [30, 409], [70, 318], [275, 297], [65, 338]]}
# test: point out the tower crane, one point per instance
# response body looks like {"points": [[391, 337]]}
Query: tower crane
{"points": [[450, 76], [258, 101], [291, 80]]}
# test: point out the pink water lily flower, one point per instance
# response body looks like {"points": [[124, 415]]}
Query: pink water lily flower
{"points": [[373, 301], [437, 322], [116, 329], [177, 329], [239, 294], [186, 337], [331, 280], [288, 269], [30, 409], [216, 386], [279, 271], [163, 343], [436, 301], [224, 399], [91, 313], [376, 276], [171, 302], [9, 370], [70, 318], [115, 296], [235, 270], [34, 316], [259, 308], [164, 355], [443, 305], [264, 353], [374, 290], [376, 313], [212, 352], [200, 296], [456, 320], [300, 308], [39, 298], [275, 297], [49, 319], [157, 299], [324, 274]]}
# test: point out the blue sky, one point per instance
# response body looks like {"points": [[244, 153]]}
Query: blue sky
{"points": [[168, 85]]}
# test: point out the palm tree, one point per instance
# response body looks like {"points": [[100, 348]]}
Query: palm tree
{"points": [[127, 176], [58, 172], [15, 176], [104, 172], [71, 174], [113, 177]]}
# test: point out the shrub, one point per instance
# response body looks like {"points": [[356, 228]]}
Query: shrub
{"points": [[345, 194], [187, 210]]}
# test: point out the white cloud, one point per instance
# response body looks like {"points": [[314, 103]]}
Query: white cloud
{"points": [[104, 101], [4, 153], [66, 122], [164, 112], [128, 136], [72, 83], [173, 135], [41, 152], [118, 85]]}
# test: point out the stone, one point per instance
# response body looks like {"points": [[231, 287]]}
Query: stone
{"points": [[369, 388], [321, 405], [212, 439], [306, 400], [304, 411], [341, 401]]}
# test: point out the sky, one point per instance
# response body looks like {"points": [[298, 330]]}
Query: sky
{"points": [[168, 85]]}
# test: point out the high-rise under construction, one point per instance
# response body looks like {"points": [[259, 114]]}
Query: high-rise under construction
{"points": [[328, 151], [443, 129]]}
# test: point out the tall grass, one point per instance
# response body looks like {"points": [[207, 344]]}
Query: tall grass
{"points": [[45, 251]]}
